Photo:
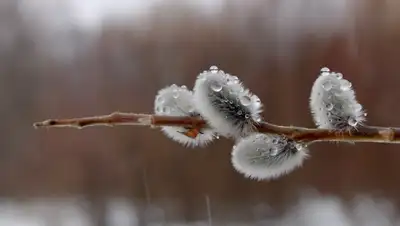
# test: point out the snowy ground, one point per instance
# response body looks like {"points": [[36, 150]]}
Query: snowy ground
{"points": [[308, 212]]}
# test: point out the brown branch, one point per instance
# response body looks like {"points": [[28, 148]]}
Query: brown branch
{"points": [[362, 134]]}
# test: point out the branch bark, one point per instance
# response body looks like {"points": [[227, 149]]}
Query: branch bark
{"points": [[363, 133]]}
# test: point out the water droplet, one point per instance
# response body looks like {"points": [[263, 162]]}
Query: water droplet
{"points": [[325, 73], [183, 87], [329, 106], [325, 69], [258, 119], [274, 151], [214, 69], [358, 107], [165, 110], [339, 75], [337, 94], [345, 85], [299, 147], [365, 114], [275, 141], [245, 100], [235, 79], [247, 116], [327, 85], [175, 94], [160, 100], [216, 87], [352, 122], [216, 136], [239, 112]]}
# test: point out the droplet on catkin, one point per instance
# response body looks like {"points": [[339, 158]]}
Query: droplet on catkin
{"points": [[216, 87], [325, 69], [214, 69], [245, 100]]}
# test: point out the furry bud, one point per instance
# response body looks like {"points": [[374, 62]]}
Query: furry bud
{"points": [[227, 106], [266, 156], [333, 102], [178, 101]]}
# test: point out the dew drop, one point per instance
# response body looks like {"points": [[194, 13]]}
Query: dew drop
{"points": [[245, 100], [214, 69], [165, 110], [183, 87], [216, 87], [352, 122], [345, 85], [299, 147], [337, 94], [327, 85], [216, 136], [235, 79], [275, 141], [160, 100], [365, 114], [358, 107], [325, 73], [247, 116], [325, 69], [175, 94], [258, 119], [274, 151], [329, 106], [259, 136], [339, 75], [239, 112]]}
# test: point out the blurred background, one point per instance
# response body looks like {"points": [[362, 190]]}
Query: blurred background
{"points": [[70, 58]]}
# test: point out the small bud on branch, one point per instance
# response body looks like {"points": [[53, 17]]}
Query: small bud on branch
{"points": [[361, 134]]}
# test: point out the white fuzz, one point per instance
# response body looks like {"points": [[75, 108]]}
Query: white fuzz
{"points": [[229, 108], [178, 101], [333, 102], [266, 156]]}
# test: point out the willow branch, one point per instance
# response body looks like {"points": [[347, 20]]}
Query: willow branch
{"points": [[364, 133]]}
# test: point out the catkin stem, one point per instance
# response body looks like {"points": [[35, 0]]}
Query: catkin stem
{"points": [[361, 134]]}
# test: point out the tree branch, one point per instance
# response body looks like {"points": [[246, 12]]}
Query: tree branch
{"points": [[361, 134]]}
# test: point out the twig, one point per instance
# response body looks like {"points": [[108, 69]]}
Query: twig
{"points": [[363, 133]]}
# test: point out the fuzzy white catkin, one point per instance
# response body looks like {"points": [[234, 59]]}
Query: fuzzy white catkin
{"points": [[333, 102], [267, 156], [178, 101], [231, 109]]}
